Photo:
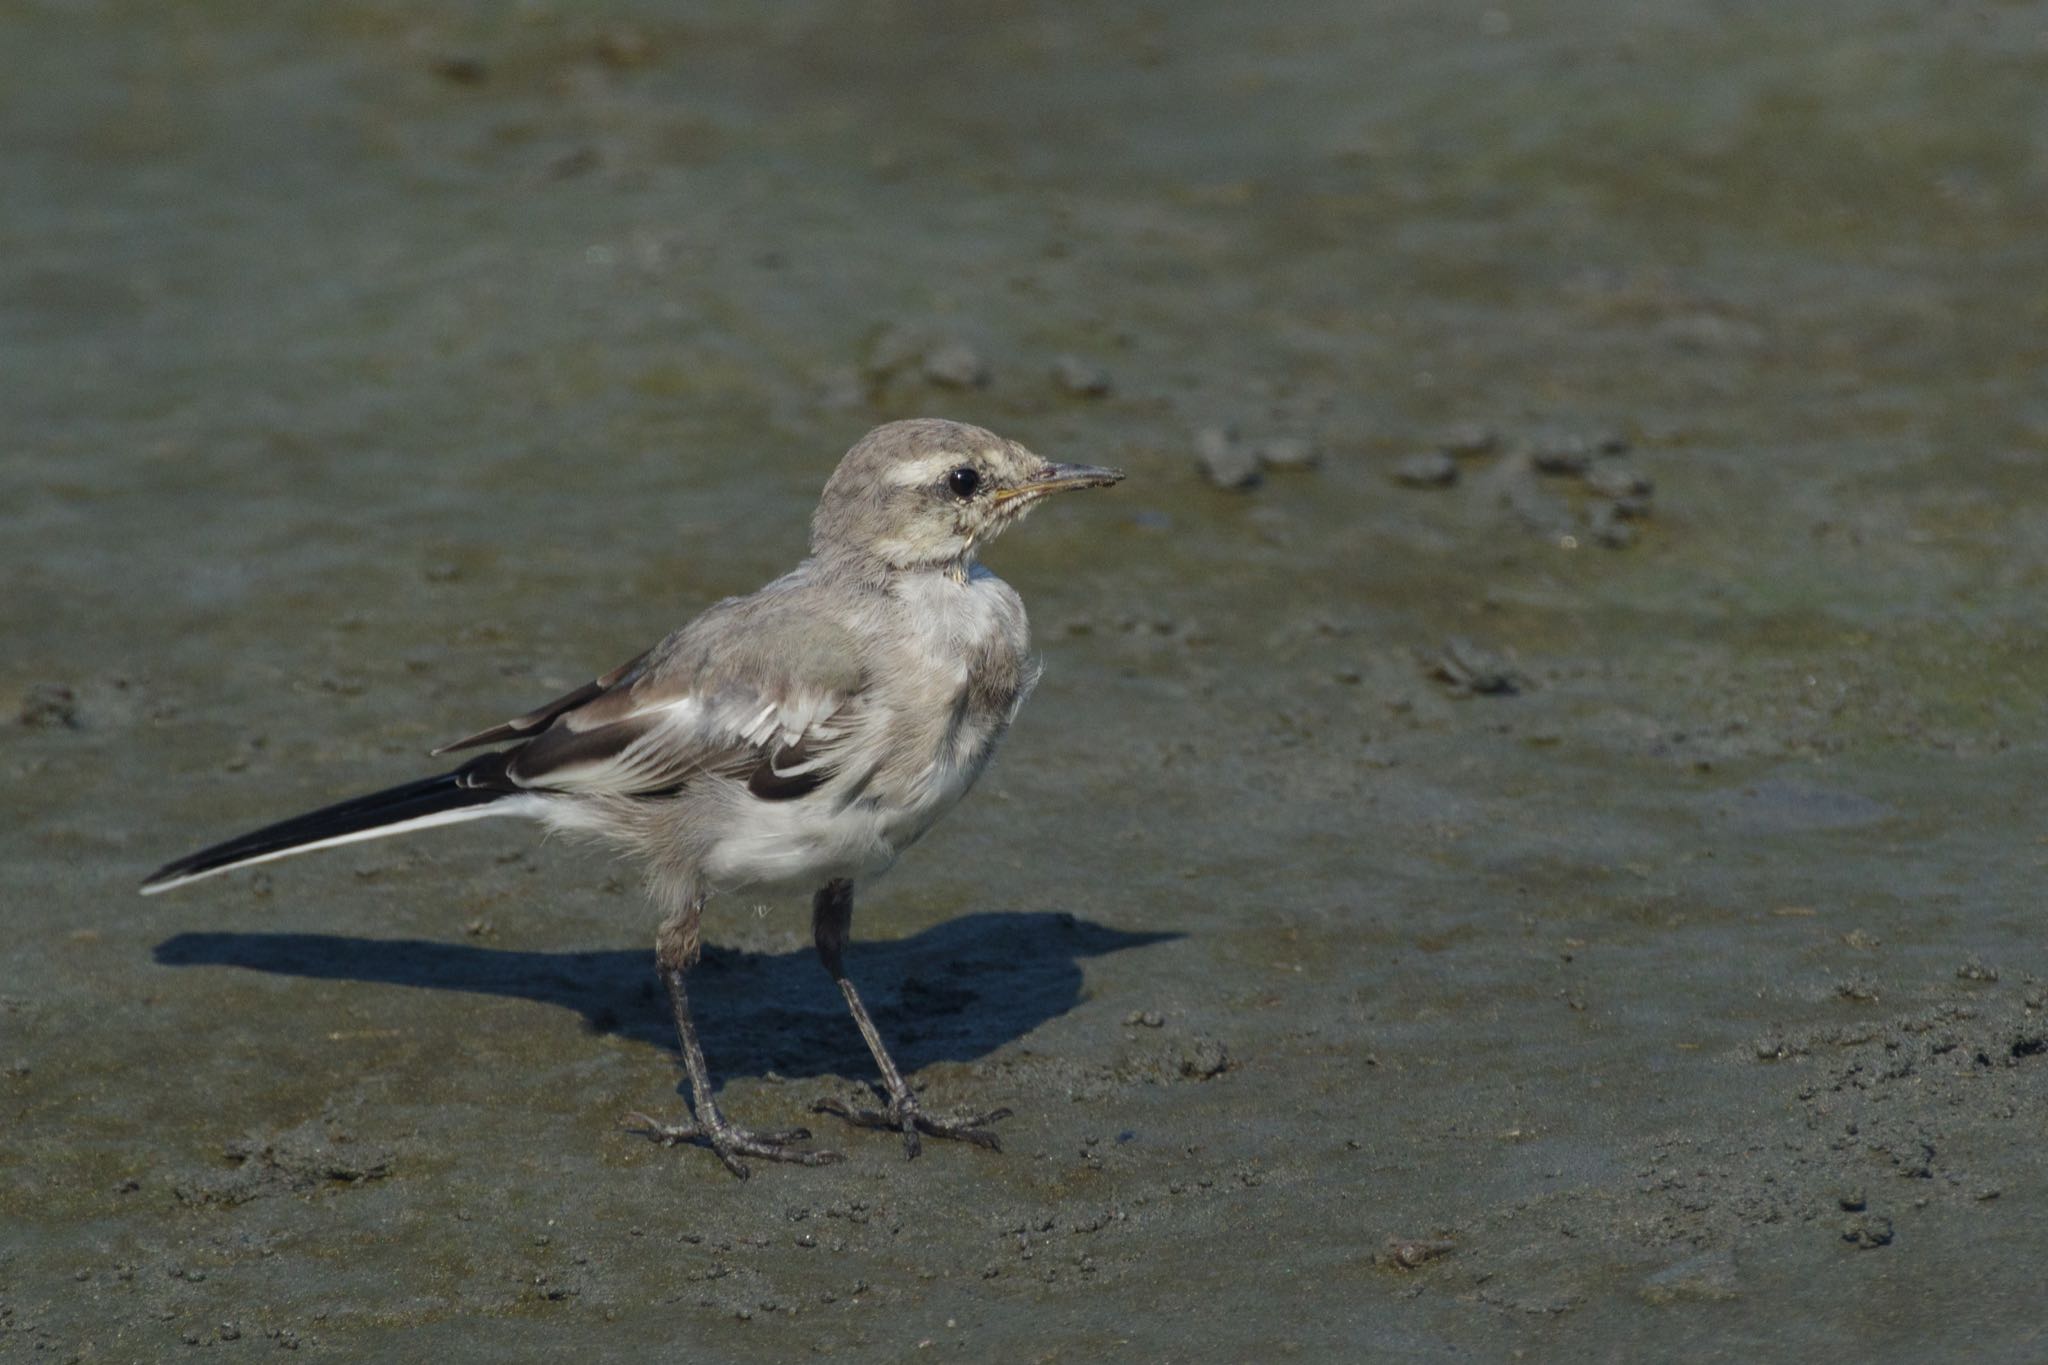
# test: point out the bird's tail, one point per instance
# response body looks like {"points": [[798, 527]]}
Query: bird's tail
{"points": [[478, 788]]}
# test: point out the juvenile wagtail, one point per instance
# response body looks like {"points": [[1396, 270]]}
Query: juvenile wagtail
{"points": [[806, 734]]}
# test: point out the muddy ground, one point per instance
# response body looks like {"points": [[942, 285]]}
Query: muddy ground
{"points": [[1558, 878]]}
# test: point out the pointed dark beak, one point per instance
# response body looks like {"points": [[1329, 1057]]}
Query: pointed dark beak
{"points": [[1058, 478]]}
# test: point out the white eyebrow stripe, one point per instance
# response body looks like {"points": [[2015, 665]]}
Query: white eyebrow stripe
{"points": [[930, 469]]}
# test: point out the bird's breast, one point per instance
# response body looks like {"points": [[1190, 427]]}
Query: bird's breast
{"points": [[965, 670]]}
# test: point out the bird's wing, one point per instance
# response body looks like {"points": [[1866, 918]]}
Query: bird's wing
{"points": [[763, 693], [519, 727]]}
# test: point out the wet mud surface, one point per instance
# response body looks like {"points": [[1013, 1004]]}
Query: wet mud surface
{"points": [[1529, 839]]}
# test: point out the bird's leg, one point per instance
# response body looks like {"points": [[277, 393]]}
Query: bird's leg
{"points": [[831, 926], [676, 949]]}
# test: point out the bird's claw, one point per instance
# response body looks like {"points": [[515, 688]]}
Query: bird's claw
{"points": [[904, 1115], [732, 1142]]}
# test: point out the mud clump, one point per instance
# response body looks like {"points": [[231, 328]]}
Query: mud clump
{"points": [[313, 1155], [1227, 462], [1474, 670], [1431, 469], [1288, 453], [956, 365], [49, 706], [1204, 1058], [1411, 1253], [1079, 378], [1867, 1231]]}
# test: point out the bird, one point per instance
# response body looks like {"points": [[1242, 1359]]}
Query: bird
{"points": [[799, 737]]}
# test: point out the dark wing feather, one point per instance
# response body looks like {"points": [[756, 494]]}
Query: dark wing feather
{"points": [[565, 756], [791, 771], [519, 727]]}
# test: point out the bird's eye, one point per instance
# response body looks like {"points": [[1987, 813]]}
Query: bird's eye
{"points": [[964, 481]]}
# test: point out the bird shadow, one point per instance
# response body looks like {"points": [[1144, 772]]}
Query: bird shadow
{"points": [[953, 993]]}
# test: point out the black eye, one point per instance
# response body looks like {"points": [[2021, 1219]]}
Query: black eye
{"points": [[964, 481]]}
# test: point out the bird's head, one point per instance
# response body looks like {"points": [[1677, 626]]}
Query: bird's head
{"points": [[926, 493]]}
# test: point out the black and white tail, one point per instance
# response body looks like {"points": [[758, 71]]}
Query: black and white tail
{"points": [[478, 788]]}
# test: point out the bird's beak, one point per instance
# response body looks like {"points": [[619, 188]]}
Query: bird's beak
{"points": [[1057, 478]]}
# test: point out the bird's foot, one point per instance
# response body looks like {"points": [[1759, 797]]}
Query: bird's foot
{"points": [[904, 1115], [732, 1142]]}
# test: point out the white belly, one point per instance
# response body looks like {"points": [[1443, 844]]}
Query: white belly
{"points": [[800, 841], [814, 840]]}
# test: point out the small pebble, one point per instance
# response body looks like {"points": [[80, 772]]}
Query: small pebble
{"points": [[1228, 463], [1288, 453], [1561, 455], [1432, 470], [893, 348], [1473, 668], [1608, 528], [1853, 1201], [1406, 1253], [1613, 479], [955, 365], [1469, 438], [1080, 378]]}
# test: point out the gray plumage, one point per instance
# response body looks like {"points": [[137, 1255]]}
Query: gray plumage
{"points": [[805, 734]]}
